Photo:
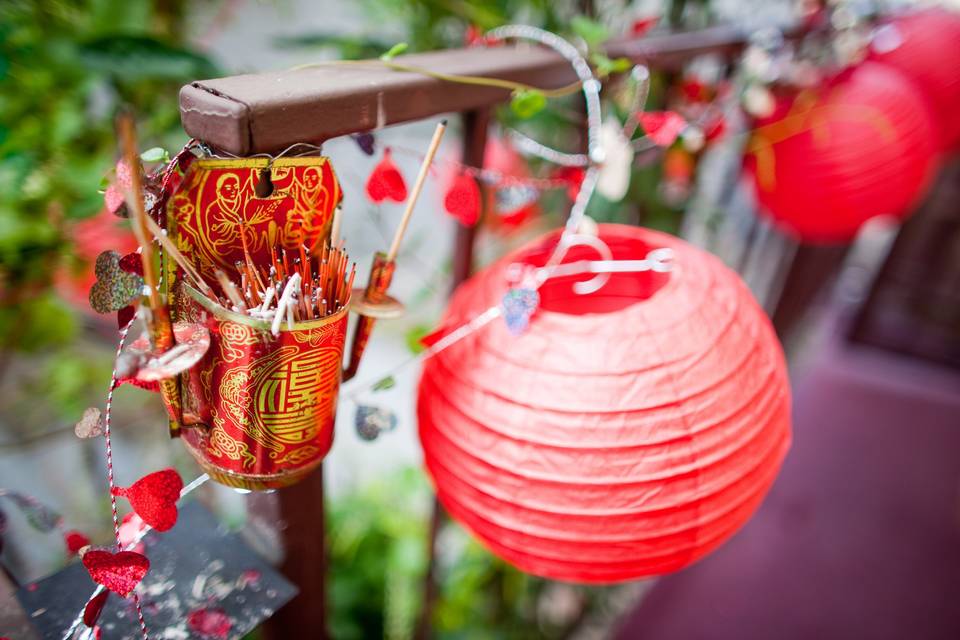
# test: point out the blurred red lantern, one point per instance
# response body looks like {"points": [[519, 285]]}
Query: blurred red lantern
{"points": [[626, 433], [825, 163], [925, 47]]}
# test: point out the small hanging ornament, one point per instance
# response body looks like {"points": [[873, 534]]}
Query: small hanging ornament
{"points": [[154, 498], [366, 142], [210, 622], [192, 342], [89, 425], [758, 101], [114, 288], [512, 198], [115, 193], [371, 421], [386, 182], [131, 530], [39, 516], [662, 127], [518, 304], [614, 178], [462, 200], [640, 26], [119, 572], [75, 541], [573, 176]]}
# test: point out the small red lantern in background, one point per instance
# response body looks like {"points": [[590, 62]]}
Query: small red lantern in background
{"points": [[925, 47], [626, 433], [862, 147]]}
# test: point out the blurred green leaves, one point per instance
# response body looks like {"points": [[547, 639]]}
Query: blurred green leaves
{"points": [[395, 51], [378, 557], [526, 103], [67, 67]]}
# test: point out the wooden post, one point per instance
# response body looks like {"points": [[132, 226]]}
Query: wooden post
{"points": [[475, 126], [300, 516]]}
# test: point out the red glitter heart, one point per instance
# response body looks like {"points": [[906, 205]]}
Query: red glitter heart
{"points": [[91, 612], [573, 176], [75, 541], [386, 181], [463, 200], [119, 572], [210, 623], [125, 315], [663, 127], [132, 263], [154, 498]]}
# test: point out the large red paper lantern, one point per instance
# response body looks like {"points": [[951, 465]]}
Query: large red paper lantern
{"points": [[626, 433], [862, 147], [925, 47]]}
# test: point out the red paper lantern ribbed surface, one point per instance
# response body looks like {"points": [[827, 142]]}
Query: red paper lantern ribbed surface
{"points": [[864, 147], [626, 433], [925, 47]]}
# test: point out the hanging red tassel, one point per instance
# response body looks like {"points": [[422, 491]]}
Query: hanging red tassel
{"points": [[386, 182], [154, 498], [463, 199]]}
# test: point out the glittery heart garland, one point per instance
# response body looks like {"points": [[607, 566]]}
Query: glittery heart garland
{"points": [[119, 572], [115, 288], [154, 498], [386, 182]]}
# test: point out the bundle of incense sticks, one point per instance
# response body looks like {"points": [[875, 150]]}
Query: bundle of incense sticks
{"points": [[294, 287]]}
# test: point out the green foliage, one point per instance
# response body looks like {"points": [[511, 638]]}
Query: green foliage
{"points": [[156, 154], [605, 67], [65, 69], [592, 32], [527, 103], [414, 336], [395, 51], [378, 557]]}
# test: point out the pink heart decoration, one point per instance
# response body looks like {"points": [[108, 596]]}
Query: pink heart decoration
{"points": [[663, 127], [463, 200], [119, 572], [154, 498], [115, 195], [386, 182]]}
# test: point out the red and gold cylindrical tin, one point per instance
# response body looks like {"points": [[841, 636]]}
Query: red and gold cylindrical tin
{"points": [[262, 407]]}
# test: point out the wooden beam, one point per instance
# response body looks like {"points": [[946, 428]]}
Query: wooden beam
{"points": [[267, 112]]}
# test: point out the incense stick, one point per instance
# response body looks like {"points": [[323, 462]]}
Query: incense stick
{"points": [[335, 225], [134, 198], [179, 258], [417, 187]]}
